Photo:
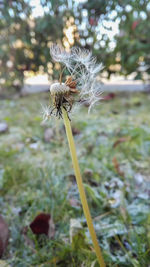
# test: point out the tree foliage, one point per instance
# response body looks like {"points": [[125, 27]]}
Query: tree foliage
{"points": [[15, 42], [133, 43], [25, 40]]}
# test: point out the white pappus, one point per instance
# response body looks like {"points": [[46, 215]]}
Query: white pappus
{"points": [[83, 71]]}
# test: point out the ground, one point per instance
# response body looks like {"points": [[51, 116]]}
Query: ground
{"points": [[36, 175]]}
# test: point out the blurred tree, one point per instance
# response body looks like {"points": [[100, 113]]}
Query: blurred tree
{"points": [[15, 42], [56, 26], [133, 42], [25, 40], [130, 49], [94, 14]]}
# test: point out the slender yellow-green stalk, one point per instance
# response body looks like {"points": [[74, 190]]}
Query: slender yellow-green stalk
{"points": [[81, 189]]}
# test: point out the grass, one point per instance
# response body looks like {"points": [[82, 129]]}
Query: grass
{"points": [[113, 146]]}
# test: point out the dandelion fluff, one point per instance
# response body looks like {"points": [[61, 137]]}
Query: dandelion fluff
{"points": [[83, 69], [45, 112], [58, 54]]}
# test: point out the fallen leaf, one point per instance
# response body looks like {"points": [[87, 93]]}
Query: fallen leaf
{"points": [[121, 140], [117, 167], [109, 96], [43, 224], [4, 235], [75, 131]]}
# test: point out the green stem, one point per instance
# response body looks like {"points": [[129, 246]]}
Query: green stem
{"points": [[81, 189]]}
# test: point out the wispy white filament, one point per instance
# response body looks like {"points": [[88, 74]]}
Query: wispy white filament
{"points": [[45, 113], [83, 68]]}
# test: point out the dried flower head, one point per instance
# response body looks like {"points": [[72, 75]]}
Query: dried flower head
{"points": [[83, 70]]}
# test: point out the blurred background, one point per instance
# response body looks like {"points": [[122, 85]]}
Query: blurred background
{"points": [[117, 32]]}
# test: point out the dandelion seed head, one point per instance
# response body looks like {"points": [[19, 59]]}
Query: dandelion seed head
{"points": [[83, 69], [57, 88]]}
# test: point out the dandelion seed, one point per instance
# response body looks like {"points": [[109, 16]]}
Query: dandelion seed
{"points": [[45, 113], [82, 55], [58, 54]]}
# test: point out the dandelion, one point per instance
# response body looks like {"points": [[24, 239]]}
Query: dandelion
{"points": [[80, 86], [83, 70]]}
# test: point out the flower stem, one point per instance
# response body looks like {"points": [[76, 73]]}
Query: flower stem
{"points": [[81, 189]]}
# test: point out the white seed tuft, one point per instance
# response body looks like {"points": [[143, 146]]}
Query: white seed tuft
{"points": [[83, 68], [58, 54], [45, 112]]}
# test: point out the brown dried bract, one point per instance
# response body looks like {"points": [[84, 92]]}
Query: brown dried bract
{"points": [[72, 84]]}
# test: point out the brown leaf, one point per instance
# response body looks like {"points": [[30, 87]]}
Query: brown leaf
{"points": [[117, 167], [75, 131], [109, 96], [4, 235], [121, 140], [43, 224], [72, 84]]}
